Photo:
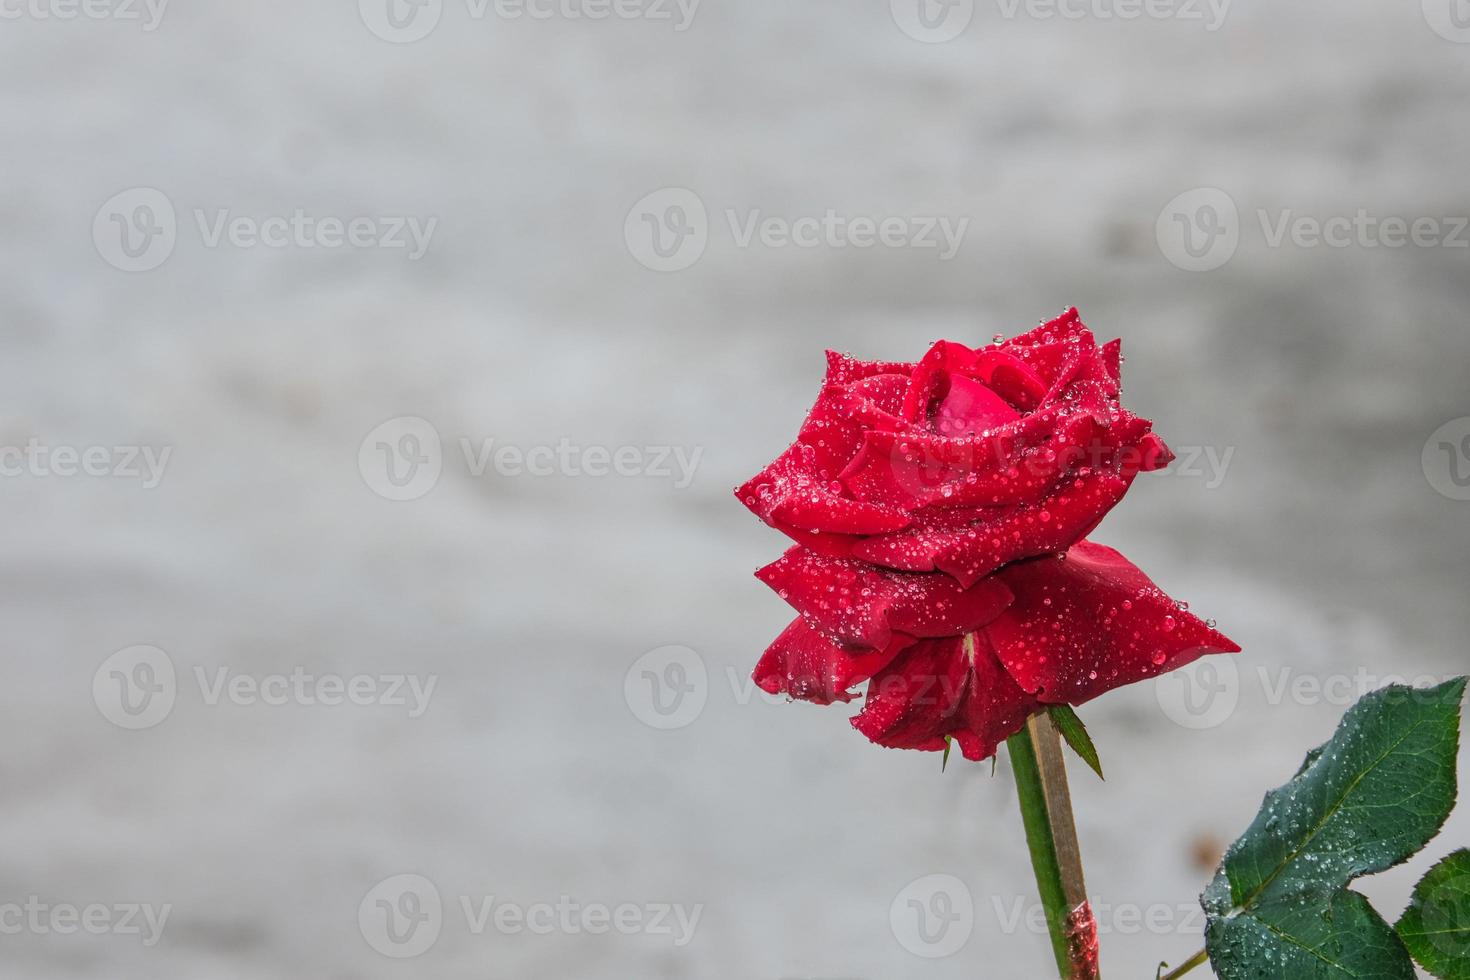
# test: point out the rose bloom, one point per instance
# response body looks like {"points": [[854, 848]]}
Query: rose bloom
{"points": [[939, 511]]}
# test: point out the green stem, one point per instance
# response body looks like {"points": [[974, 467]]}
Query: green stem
{"points": [[1197, 959], [1051, 835]]}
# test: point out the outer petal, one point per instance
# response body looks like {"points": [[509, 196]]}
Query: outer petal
{"points": [[788, 496], [798, 492], [975, 550], [1064, 327], [857, 604], [1084, 625], [834, 428], [994, 709], [844, 368], [953, 686], [805, 664], [912, 703]]}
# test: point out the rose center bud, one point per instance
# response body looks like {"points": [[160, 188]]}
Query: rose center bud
{"points": [[969, 408]]}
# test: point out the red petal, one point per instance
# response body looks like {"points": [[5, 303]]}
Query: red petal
{"points": [[945, 687], [911, 704], [820, 511], [855, 603], [974, 551], [788, 496], [1084, 625], [798, 493], [1153, 454], [1010, 376], [909, 470], [805, 664], [1064, 327], [844, 368], [996, 707], [971, 408], [930, 378]]}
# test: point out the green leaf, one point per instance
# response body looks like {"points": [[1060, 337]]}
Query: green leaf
{"points": [[1436, 926], [948, 744], [1076, 735], [1368, 799]]}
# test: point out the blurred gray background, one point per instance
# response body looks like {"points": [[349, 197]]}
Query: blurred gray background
{"points": [[1325, 537]]}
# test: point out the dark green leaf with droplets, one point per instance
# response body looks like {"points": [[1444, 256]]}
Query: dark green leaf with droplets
{"points": [[1436, 926], [1369, 799], [1072, 729]]}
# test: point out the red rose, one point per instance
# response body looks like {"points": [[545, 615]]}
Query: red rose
{"points": [[939, 511]]}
